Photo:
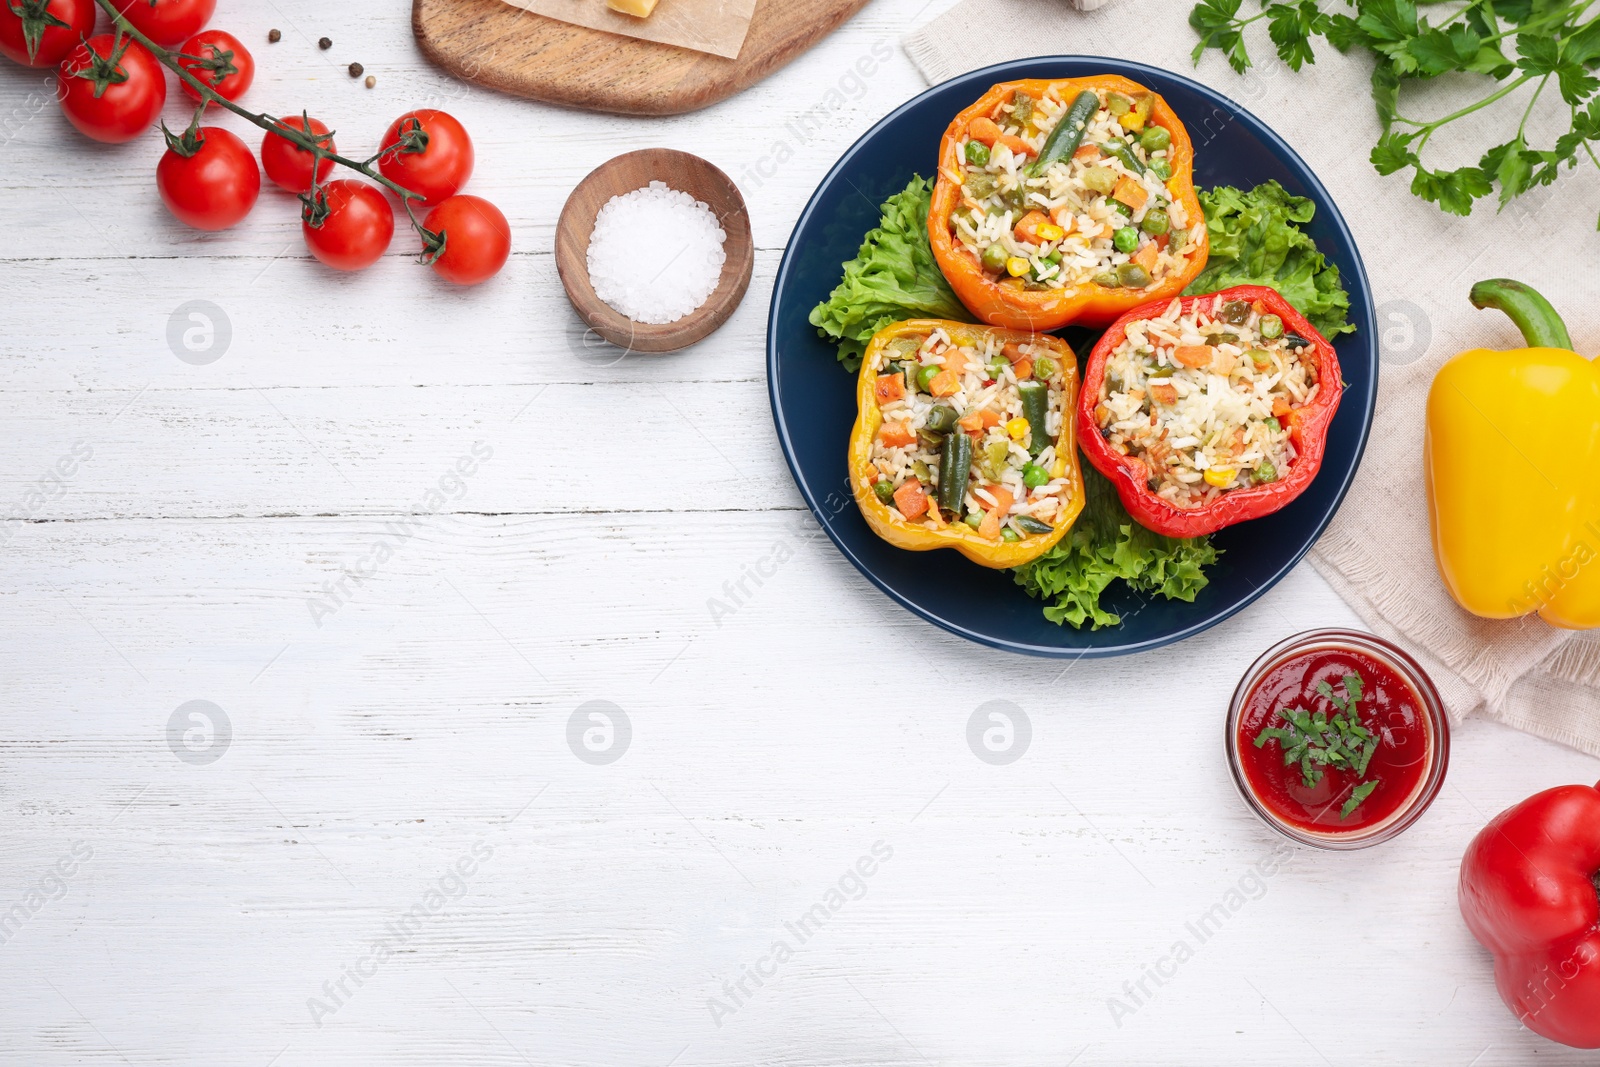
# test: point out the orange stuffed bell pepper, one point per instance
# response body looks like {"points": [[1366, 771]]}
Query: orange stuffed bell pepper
{"points": [[964, 439], [1066, 201]]}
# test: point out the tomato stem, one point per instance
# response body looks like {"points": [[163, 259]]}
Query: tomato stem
{"points": [[303, 140]]}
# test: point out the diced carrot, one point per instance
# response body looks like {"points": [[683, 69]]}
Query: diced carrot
{"points": [[889, 388], [989, 417], [989, 528], [988, 132], [1258, 307], [1024, 369], [971, 423], [1027, 228], [1162, 393], [1090, 152], [1280, 406], [896, 435], [955, 361], [1192, 355], [910, 499], [1130, 192], [1013, 352], [1146, 257], [1063, 217], [945, 383], [1002, 498]]}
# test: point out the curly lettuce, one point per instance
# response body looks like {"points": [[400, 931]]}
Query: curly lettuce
{"points": [[1256, 239], [894, 277]]}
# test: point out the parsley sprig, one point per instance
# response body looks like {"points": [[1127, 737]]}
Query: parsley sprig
{"points": [[1554, 46], [1314, 741]]}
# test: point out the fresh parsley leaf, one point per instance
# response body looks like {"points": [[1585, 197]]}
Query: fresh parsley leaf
{"points": [[1316, 742], [1361, 793], [1291, 27]]}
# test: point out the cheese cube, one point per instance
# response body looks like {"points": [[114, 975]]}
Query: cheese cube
{"points": [[641, 8]]}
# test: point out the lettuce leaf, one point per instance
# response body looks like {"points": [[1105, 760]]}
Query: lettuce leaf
{"points": [[893, 277], [1106, 544], [1256, 239]]}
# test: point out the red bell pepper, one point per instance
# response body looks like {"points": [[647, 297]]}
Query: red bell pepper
{"points": [[1530, 892], [1307, 425]]}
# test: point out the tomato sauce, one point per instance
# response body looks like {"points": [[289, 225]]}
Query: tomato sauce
{"points": [[1389, 707]]}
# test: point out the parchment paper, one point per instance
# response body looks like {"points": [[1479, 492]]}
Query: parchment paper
{"points": [[717, 27]]}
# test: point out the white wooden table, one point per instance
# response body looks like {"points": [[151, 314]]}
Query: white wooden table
{"points": [[393, 854]]}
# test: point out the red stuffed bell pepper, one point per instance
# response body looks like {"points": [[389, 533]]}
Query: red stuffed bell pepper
{"points": [[1209, 410], [1530, 892]]}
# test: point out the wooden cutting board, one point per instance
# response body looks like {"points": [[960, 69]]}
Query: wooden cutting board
{"points": [[512, 50]]}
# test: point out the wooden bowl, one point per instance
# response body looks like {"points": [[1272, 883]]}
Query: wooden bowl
{"points": [[624, 174]]}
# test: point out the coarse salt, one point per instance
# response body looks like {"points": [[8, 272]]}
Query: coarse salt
{"points": [[655, 254]]}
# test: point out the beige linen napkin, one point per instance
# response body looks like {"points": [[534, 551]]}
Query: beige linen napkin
{"points": [[715, 26], [1377, 553]]}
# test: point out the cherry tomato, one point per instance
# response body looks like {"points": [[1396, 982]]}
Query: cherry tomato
{"points": [[225, 65], [124, 109], [213, 188], [167, 22], [428, 152], [349, 226], [30, 35], [476, 240], [287, 164]]}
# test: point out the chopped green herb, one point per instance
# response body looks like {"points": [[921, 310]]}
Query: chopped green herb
{"points": [[1314, 741]]}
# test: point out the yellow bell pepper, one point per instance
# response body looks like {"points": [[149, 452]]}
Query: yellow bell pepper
{"points": [[918, 536], [1512, 460]]}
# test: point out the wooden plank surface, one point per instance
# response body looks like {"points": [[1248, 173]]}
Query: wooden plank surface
{"points": [[518, 52], [378, 738]]}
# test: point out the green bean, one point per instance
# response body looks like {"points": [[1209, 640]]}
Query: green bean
{"points": [[977, 153], [921, 471], [1107, 279], [955, 463], [1118, 104], [1119, 148], [1035, 403], [993, 463], [1068, 133], [974, 520], [1132, 276], [1271, 327], [1030, 525], [1045, 368], [979, 185], [1126, 239], [942, 419], [1021, 108], [884, 491]]}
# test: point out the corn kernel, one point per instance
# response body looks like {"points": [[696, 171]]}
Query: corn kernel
{"points": [[1221, 477], [1017, 428], [1132, 121], [1049, 231], [1059, 470], [1016, 266]]}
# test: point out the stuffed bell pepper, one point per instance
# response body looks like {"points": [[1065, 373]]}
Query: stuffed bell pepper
{"points": [[1066, 201], [964, 439], [1209, 410]]}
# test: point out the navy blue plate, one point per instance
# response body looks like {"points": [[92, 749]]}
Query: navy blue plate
{"points": [[813, 398]]}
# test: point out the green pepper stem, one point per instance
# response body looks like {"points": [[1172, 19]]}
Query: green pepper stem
{"points": [[1539, 322]]}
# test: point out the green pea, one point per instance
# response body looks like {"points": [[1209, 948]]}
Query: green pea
{"points": [[1107, 279], [1271, 327], [1126, 239], [1008, 534], [974, 520], [942, 419], [1118, 104], [927, 374], [1100, 179], [993, 462], [1265, 473], [994, 258], [1045, 368], [1156, 222], [1132, 276], [979, 185], [977, 153], [997, 366], [1274, 425], [1033, 476], [884, 491], [1161, 169], [1155, 138], [1260, 357]]}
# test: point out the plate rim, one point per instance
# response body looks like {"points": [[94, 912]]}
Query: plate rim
{"points": [[1367, 330]]}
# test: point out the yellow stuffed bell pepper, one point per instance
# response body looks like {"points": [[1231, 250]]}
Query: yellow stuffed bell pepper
{"points": [[1512, 458], [964, 439]]}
